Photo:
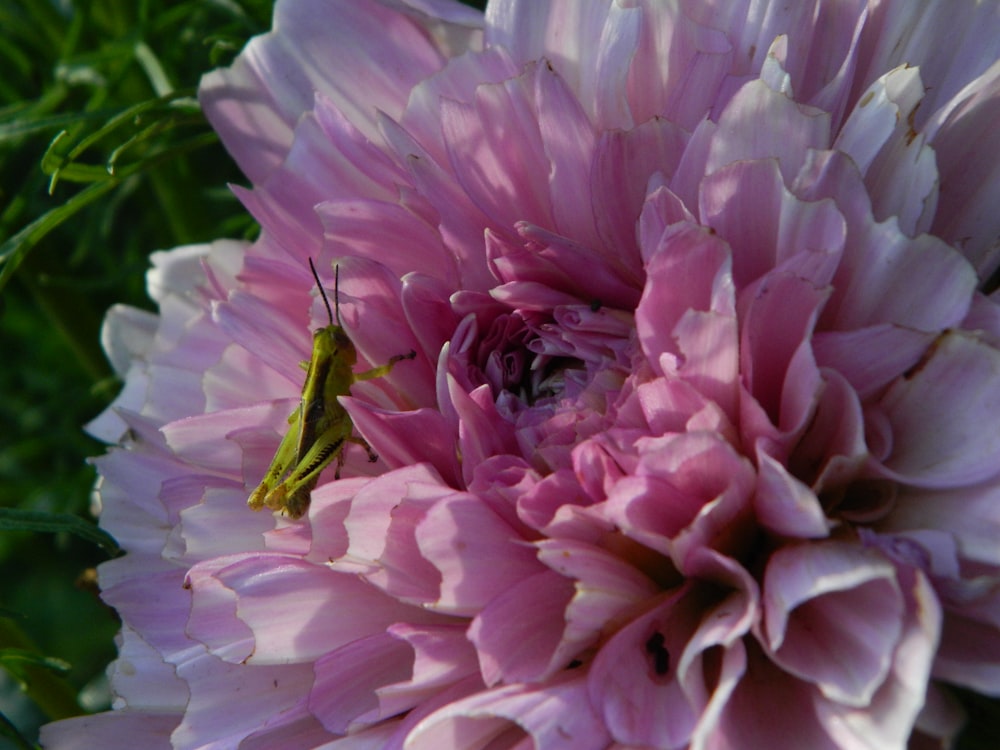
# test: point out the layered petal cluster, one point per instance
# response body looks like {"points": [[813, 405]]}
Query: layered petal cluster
{"points": [[698, 446]]}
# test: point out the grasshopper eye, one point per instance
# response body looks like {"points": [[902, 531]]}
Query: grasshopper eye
{"points": [[340, 339]]}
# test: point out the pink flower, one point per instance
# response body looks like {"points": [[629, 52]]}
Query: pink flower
{"points": [[698, 448]]}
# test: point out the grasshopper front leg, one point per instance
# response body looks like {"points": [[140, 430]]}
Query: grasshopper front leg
{"points": [[283, 458]]}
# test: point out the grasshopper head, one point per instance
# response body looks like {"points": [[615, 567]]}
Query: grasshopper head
{"points": [[333, 346]]}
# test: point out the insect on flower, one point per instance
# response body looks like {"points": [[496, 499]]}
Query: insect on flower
{"points": [[320, 428]]}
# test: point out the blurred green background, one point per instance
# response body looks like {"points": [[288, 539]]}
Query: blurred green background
{"points": [[84, 85]]}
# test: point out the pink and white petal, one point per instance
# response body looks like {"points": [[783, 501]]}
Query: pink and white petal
{"points": [[633, 682], [900, 169], [295, 611], [131, 504], [373, 317], [609, 281], [833, 450], [214, 619], [785, 506], [519, 634], [238, 372], [457, 81], [962, 132], [950, 44], [936, 440], [403, 572], [696, 267], [442, 656], [482, 430], [833, 616], [279, 336], [142, 679], [403, 439], [502, 558], [296, 728], [747, 718], [748, 205], [379, 55], [149, 730], [727, 620], [197, 532], [888, 719], [971, 633], [746, 130], [569, 140], [343, 696], [624, 163], [591, 47], [230, 702], [606, 587], [887, 277], [460, 222], [776, 361], [556, 715], [127, 334], [496, 151], [371, 738], [679, 65], [160, 622], [969, 515], [367, 227], [199, 440], [870, 358]]}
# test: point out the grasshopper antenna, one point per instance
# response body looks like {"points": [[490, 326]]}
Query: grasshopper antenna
{"points": [[336, 290]]}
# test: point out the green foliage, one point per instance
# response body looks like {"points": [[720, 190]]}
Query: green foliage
{"points": [[104, 158]]}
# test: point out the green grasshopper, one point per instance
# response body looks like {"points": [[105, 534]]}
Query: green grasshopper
{"points": [[320, 428]]}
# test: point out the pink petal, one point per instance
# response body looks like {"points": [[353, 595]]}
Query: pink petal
{"points": [[746, 130], [502, 558], [900, 168], [624, 164], [634, 682], [606, 586], [505, 184], [569, 141], [132, 729], [748, 717], [271, 697], [556, 715], [968, 514], [288, 608], [936, 442], [833, 615], [887, 719], [442, 657], [962, 133], [315, 38], [519, 633], [748, 205], [784, 505], [697, 319], [347, 678], [776, 360], [870, 358]]}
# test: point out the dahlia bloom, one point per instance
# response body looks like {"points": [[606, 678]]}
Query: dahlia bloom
{"points": [[698, 446]]}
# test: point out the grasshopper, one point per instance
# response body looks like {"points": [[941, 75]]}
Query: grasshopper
{"points": [[320, 428]]}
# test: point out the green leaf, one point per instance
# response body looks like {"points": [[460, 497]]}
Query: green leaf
{"points": [[16, 519], [12, 659], [12, 251], [9, 731]]}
